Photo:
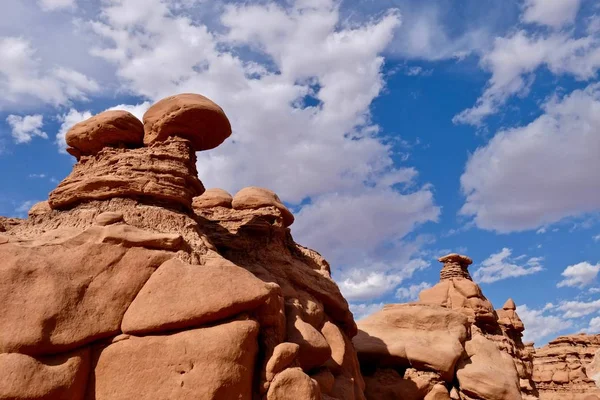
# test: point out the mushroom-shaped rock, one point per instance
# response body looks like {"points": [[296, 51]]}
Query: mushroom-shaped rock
{"points": [[456, 258], [213, 198], [455, 266], [254, 197], [190, 116], [108, 129], [509, 305]]}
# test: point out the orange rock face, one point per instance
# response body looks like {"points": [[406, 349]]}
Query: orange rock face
{"points": [[129, 283], [563, 369]]}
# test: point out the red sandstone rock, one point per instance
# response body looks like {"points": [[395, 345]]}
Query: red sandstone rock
{"points": [[58, 297], [39, 209], [409, 335], [255, 197], [181, 296], [457, 291], [213, 198], [190, 116], [107, 129], [213, 290], [205, 363], [560, 369], [61, 377], [486, 372], [165, 173], [293, 384]]}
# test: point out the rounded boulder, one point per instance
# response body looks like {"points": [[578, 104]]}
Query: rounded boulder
{"points": [[189, 116], [108, 129], [255, 197]]}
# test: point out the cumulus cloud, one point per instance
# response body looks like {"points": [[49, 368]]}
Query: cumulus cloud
{"points": [[579, 275], [513, 59], [578, 309], [539, 324], [411, 293], [24, 77], [67, 120], [297, 83], [554, 13], [24, 128], [538, 174], [363, 310], [501, 266]]}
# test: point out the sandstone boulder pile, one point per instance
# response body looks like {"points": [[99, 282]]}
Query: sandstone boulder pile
{"points": [[133, 282]]}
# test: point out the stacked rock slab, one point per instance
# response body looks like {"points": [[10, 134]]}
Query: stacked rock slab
{"points": [[565, 369], [132, 282], [453, 334]]}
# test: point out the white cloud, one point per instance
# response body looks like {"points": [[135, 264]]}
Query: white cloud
{"points": [[363, 310], [579, 275], [554, 13], [23, 129], [577, 309], [262, 66], [67, 121], [594, 327], [138, 110], [368, 285], [412, 292], [25, 79], [52, 5], [596, 238], [368, 278], [501, 265], [540, 173], [514, 58], [539, 325]]}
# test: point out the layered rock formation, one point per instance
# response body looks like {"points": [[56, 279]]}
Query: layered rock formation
{"points": [[566, 368], [132, 282], [454, 337]]}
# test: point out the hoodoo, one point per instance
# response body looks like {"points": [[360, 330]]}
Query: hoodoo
{"points": [[133, 282]]}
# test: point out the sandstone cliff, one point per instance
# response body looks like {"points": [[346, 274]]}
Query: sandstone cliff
{"points": [[133, 282]]}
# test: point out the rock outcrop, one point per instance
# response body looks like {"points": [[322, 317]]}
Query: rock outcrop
{"points": [[565, 368], [453, 334], [132, 282]]}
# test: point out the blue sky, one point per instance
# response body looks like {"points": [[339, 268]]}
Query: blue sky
{"points": [[397, 131]]}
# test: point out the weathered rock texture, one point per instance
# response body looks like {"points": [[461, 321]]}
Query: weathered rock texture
{"points": [[453, 333], [130, 283], [565, 368]]}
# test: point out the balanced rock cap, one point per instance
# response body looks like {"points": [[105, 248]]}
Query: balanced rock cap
{"points": [[214, 197], [109, 128], [254, 197], [456, 258], [189, 116]]}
